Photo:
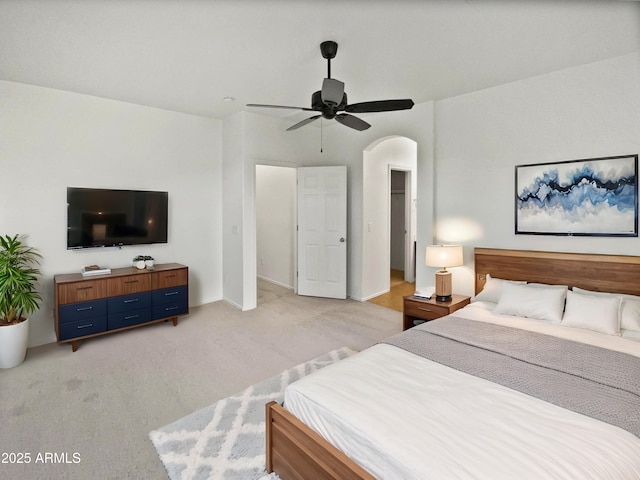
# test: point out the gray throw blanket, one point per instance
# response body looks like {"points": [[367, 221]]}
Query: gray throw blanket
{"points": [[593, 381]]}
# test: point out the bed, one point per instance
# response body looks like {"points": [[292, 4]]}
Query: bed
{"points": [[537, 397]]}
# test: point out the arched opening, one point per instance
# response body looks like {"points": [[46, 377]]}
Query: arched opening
{"points": [[389, 214]]}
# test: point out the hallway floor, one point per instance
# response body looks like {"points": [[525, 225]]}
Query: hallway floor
{"points": [[399, 289]]}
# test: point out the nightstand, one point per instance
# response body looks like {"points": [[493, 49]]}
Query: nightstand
{"points": [[422, 309]]}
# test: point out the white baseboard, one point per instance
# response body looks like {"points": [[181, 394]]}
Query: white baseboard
{"points": [[369, 297], [270, 280], [230, 302]]}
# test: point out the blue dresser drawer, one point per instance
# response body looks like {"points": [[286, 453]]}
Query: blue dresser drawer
{"points": [[169, 310], [81, 311], [171, 295], [126, 303], [126, 319], [83, 327]]}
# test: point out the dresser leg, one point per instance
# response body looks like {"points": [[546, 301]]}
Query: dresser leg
{"points": [[173, 319], [74, 345]]}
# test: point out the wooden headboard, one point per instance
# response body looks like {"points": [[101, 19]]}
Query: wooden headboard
{"points": [[603, 273]]}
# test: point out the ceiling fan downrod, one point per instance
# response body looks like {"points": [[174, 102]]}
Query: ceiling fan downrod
{"points": [[328, 49]]}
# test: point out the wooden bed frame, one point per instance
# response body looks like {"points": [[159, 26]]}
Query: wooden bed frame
{"points": [[598, 272], [296, 452]]}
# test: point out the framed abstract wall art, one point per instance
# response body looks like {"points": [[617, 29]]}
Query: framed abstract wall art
{"points": [[589, 197]]}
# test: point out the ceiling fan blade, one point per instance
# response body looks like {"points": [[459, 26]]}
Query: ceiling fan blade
{"points": [[303, 122], [332, 91], [351, 121], [380, 106], [278, 106]]}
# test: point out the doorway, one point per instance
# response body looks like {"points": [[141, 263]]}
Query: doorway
{"points": [[301, 225], [276, 224], [401, 249], [389, 214]]}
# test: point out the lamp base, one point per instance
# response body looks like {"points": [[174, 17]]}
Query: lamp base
{"points": [[443, 286], [443, 298]]}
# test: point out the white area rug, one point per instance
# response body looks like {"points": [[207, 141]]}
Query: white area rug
{"points": [[227, 439]]}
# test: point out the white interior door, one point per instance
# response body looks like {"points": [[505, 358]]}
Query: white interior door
{"points": [[322, 231]]}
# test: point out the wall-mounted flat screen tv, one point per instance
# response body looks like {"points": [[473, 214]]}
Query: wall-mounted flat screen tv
{"points": [[108, 218]]}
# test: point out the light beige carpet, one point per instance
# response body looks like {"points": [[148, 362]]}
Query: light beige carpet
{"points": [[226, 440], [95, 407]]}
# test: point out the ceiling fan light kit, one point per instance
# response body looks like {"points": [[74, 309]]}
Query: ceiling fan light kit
{"points": [[332, 100]]}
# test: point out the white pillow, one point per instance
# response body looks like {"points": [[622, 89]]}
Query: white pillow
{"points": [[492, 289], [629, 309], [582, 291], [547, 285], [593, 312], [532, 302], [630, 313]]}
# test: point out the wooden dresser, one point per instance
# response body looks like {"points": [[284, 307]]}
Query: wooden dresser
{"points": [[126, 298]]}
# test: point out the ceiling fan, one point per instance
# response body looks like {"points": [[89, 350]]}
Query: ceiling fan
{"points": [[332, 100]]}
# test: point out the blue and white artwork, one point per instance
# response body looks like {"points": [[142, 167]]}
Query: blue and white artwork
{"points": [[580, 197]]}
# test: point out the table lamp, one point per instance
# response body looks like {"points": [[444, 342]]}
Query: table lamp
{"points": [[443, 256]]}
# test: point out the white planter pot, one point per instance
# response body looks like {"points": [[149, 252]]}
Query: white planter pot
{"points": [[13, 344]]}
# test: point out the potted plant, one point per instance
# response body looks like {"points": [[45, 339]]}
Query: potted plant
{"points": [[18, 297], [143, 261]]}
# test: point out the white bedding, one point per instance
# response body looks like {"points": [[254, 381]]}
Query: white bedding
{"points": [[404, 417], [483, 311]]}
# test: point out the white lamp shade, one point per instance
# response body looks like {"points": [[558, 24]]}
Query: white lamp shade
{"points": [[443, 256]]}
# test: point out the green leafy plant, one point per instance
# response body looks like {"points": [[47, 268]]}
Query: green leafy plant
{"points": [[142, 257], [18, 280]]}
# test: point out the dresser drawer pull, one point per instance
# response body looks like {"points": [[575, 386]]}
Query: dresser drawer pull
{"points": [[84, 326], [425, 309], [170, 293], [169, 276], [85, 288], [170, 308], [132, 300], [131, 281], [131, 316], [83, 309]]}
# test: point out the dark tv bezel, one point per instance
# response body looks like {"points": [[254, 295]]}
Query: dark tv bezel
{"points": [[120, 244]]}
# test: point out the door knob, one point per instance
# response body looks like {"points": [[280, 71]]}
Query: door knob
{"points": [[342, 239]]}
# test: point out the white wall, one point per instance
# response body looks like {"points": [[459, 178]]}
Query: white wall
{"points": [[275, 223], [52, 139], [249, 139], [232, 204], [394, 152], [584, 112], [344, 146], [471, 144], [252, 139]]}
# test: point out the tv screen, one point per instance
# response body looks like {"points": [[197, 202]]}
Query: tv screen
{"points": [[107, 218]]}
